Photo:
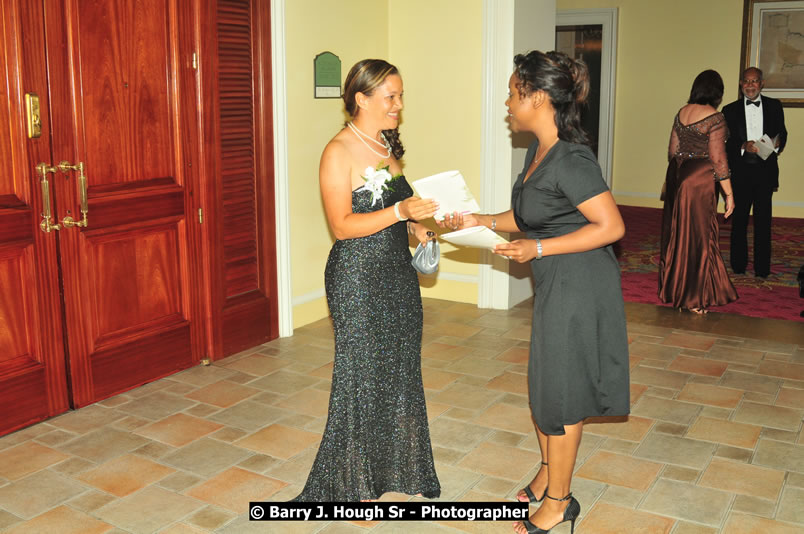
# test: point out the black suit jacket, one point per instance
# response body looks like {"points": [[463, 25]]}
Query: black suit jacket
{"points": [[772, 124]]}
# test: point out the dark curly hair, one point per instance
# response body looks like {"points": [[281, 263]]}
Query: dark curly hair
{"points": [[564, 80], [707, 89], [364, 77]]}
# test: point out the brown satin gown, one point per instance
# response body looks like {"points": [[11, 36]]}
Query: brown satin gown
{"points": [[691, 270]]}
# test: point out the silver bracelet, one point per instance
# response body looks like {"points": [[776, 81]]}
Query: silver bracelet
{"points": [[493, 223], [538, 248], [396, 212]]}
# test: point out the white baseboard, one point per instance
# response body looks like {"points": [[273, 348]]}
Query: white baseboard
{"points": [[309, 297], [321, 293]]}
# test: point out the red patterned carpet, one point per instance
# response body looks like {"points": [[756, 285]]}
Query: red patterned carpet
{"points": [[775, 297]]}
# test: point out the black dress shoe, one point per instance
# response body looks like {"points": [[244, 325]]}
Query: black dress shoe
{"points": [[571, 513], [738, 272], [529, 493], [761, 275]]}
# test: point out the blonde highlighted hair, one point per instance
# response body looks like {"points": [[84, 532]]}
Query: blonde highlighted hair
{"points": [[364, 77]]}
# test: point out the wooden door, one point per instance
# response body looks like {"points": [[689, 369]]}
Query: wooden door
{"points": [[236, 85], [33, 383], [123, 104]]}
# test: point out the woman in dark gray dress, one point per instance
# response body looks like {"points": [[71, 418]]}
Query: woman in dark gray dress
{"points": [[377, 439], [578, 364]]}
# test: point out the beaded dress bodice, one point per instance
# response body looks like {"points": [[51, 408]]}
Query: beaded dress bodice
{"points": [[705, 138]]}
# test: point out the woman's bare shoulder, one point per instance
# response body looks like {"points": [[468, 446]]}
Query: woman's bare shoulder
{"points": [[338, 148], [692, 113]]}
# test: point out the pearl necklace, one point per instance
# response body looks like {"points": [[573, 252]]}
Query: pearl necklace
{"points": [[358, 132]]}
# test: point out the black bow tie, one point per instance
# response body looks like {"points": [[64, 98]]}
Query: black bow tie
{"points": [[754, 102]]}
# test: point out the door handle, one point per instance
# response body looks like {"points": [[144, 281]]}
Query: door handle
{"points": [[43, 169], [68, 221]]}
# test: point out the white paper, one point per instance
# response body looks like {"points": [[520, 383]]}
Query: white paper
{"points": [[449, 189], [476, 236], [765, 146]]}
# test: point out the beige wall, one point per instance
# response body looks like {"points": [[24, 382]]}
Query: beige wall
{"points": [[352, 30], [437, 46], [662, 47]]}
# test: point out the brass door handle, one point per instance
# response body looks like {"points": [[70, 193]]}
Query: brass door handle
{"points": [[68, 221], [42, 169]]}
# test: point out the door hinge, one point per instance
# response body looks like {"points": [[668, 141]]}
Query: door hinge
{"points": [[200, 215], [195, 61]]}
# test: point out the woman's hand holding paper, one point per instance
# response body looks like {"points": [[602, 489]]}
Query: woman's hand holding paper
{"points": [[418, 209], [521, 250], [458, 221]]}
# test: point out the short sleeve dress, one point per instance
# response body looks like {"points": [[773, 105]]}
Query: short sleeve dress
{"points": [[578, 364]]}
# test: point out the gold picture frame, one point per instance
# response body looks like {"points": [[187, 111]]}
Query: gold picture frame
{"points": [[773, 40]]}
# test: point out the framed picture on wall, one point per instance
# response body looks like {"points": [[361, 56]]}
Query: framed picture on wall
{"points": [[773, 40]]}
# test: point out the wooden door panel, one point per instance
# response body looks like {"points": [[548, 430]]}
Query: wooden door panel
{"points": [[145, 261], [125, 86], [141, 358], [24, 398], [128, 274], [33, 382], [24, 395], [243, 264], [246, 322], [139, 268], [118, 207], [240, 245], [16, 223], [238, 158], [14, 192], [15, 316]]}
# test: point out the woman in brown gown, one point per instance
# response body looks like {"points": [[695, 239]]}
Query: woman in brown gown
{"points": [[692, 274]]}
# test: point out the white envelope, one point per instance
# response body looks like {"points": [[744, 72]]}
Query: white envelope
{"points": [[449, 189], [765, 146], [476, 236]]}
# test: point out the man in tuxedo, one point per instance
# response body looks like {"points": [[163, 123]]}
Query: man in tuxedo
{"points": [[753, 179]]}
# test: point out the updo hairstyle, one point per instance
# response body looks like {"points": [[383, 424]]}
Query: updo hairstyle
{"points": [[364, 77], [707, 89], [566, 83]]}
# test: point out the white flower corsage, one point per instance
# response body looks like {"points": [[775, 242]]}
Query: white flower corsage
{"points": [[377, 180]]}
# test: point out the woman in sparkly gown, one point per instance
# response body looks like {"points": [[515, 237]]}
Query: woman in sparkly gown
{"points": [[377, 438], [692, 274]]}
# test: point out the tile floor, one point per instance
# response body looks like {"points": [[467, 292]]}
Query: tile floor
{"points": [[714, 443]]}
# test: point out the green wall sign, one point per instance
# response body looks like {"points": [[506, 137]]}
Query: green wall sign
{"points": [[327, 69]]}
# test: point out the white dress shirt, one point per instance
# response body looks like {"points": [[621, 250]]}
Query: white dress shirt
{"points": [[753, 119]]}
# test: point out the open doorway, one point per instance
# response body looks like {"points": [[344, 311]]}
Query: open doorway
{"points": [[586, 43], [591, 35]]}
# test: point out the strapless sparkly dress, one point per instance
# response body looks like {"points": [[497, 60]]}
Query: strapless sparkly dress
{"points": [[377, 438]]}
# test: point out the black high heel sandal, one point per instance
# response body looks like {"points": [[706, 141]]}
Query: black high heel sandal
{"points": [[529, 494], [571, 513]]}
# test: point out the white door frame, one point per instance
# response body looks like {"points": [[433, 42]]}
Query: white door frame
{"points": [[281, 183], [509, 26], [608, 73], [495, 157]]}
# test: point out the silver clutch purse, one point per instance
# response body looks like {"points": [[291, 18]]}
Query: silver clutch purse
{"points": [[425, 258]]}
